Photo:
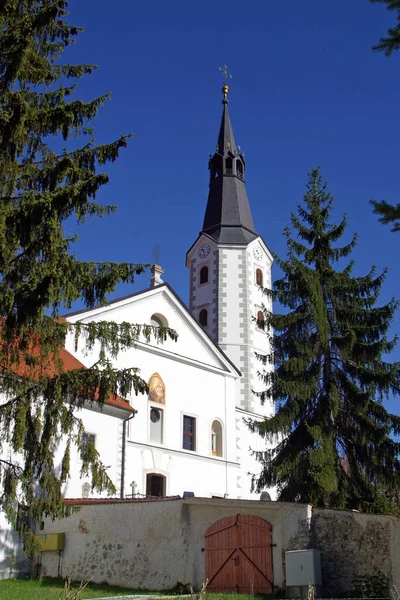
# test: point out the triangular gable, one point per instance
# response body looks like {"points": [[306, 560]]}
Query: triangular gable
{"points": [[193, 343]]}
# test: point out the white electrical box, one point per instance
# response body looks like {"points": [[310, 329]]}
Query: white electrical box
{"points": [[303, 567]]}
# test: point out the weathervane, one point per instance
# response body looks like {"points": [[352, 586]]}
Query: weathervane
{"points": [[225, 88]]}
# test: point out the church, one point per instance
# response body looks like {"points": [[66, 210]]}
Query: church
{"points": [[189, 436]]}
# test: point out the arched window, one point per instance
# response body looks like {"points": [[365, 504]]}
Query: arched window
{"points": [[158, 320], [259, 277], [203, 317], [239, 168], [229, 166], [216, 438], [260, 320], [156, 425], [156, 389], [204, 274], [216, 167]]}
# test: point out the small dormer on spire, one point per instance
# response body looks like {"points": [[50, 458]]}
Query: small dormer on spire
{"points": [[228, 205]]}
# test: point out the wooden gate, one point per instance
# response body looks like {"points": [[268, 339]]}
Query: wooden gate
{"points": [[239, 555]]}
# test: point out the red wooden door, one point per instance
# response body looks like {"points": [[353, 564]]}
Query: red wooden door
{"points": [[238, 555]]}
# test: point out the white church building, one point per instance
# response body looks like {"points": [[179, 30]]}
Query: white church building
{"points": [[189, 434]]}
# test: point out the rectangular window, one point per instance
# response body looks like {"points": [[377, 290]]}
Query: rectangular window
{"points": [[189, 433], [87, 437]]}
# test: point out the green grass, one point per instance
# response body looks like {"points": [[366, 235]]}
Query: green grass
{"points": [[50, 589]]}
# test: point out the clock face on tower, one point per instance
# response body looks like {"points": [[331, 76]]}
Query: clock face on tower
{"points": [[258, 254], [204, 251]]}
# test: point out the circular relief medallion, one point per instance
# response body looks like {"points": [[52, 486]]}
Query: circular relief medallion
{"points": [[258, 253], [204, 250]]}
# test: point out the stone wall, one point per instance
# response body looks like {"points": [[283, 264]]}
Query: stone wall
{"points": [[355, 546], [157, 545]]}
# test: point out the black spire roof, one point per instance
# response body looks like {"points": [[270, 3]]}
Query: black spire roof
{"points": [[228, 217]]}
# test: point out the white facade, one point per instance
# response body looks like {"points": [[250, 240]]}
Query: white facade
{"points": [[232, 297], [199, 386]]}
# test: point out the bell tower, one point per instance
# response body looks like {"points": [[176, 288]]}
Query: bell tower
{"points": [[229, 263]]}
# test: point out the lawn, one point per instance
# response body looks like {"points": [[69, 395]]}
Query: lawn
{"points": [[51, 589]]}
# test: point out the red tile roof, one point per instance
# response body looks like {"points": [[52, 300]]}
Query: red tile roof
{"points": [[91, 501], [70, 363]]}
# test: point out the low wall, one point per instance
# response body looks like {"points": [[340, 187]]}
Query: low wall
{"points": [[157, 545], [355, 546]]}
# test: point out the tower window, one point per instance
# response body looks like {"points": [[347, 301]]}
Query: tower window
{"points": [[239, 169], [216, 438], [216, 167], [229, 166], [204, 275], [203, 317], [260, 320], [259, 277]]}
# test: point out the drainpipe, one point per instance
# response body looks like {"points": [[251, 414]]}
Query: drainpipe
{"points": [[122, 490]]}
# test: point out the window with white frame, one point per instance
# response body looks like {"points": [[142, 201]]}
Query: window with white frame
{"points": [[189, 433]]}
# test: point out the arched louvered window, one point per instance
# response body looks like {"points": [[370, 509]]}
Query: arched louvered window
{"points": [[204, 274], [259, 277], [216, 167], [203, 317], [260, 320], [229, 166], [239, 169], [158, 320]]}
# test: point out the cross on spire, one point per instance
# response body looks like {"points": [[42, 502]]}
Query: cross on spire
{"points": [[224, 71], [225, 89]]}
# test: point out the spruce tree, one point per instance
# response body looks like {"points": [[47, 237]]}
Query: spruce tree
{"points": [[389, 213], [332, 434], [40, 276], [392, 41]]}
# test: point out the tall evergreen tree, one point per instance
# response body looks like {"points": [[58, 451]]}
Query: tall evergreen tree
{"points": [[39, 274], [332, 434], [389, 213]]}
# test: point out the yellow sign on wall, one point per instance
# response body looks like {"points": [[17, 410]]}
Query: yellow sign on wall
{"points": [[51, 542]]}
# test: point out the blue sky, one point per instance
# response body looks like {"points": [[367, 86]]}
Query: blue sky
{"points": [[306, 90]]}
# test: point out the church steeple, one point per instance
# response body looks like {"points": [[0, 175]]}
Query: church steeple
{"points": [[229, 266], [228, 218]]}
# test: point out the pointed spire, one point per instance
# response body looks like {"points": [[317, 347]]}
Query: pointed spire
{"points": [[226, 139], [228, 216]]}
